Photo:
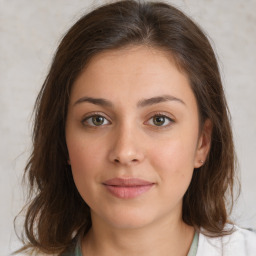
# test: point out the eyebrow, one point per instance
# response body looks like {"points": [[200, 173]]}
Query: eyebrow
{"points": [[158, 99], [142, 103], [96, 101]]}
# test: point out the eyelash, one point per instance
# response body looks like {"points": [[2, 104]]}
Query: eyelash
{"points": [[171, 121], [159, 114]]}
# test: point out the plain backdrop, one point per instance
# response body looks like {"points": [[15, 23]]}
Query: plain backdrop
{"points": [[29, 34]]}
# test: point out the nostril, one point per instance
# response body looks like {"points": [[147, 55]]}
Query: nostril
{"points": [[118, 161]]}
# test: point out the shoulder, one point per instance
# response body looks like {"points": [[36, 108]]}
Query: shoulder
{"points": [[241, 242]]}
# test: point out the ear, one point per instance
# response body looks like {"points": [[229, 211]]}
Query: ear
{"points": [[204, 144]]}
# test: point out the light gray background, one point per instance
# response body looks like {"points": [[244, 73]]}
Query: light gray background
{"points": [[29, 34]]}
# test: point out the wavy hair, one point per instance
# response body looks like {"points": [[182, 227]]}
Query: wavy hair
{"points": [[56, 214]]}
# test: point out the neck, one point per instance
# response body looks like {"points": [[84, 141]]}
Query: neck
{"points": [[166, 238]]}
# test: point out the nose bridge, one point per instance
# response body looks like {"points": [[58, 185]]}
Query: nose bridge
{"points": [[126, 148]]}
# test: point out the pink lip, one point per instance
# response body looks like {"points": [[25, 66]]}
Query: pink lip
{"points": [[127, 188]]}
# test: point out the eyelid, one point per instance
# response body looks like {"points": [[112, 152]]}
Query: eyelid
{"points": [[162, 114], [92, 114]]}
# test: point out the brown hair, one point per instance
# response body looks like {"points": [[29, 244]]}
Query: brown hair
{"points": [[55, 216]]}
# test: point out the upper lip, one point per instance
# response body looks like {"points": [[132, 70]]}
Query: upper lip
{"points": [[127, 182]]}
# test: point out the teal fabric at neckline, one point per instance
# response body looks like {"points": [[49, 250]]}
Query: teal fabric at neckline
{"points": [[194, 245], [78, 250]]}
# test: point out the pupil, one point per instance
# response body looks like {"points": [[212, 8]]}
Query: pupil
{"points": [[98, 120], [159, 120]]}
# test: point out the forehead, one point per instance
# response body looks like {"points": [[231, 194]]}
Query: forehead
{"points": [[131, 72], [140, 59]]}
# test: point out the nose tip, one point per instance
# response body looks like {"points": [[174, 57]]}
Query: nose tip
{"points": [[126, 157], [126, 150]]}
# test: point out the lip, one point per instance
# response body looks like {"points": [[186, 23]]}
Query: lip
{"points": [[127, 188]]}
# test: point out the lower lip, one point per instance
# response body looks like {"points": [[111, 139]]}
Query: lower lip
{"points": [[128, 191]]}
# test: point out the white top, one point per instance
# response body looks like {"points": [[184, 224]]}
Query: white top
{"points": [[241, 242]]}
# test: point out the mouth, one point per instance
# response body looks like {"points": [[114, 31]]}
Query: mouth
{"points": [[127, 188]]}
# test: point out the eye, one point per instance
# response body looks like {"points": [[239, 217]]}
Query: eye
{"points": [[160, 120], [95, 120]]}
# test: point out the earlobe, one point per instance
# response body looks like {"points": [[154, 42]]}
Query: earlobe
{"points": [[204, 144]]}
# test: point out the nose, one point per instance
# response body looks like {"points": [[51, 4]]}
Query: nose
{"points": [[126, 148]]}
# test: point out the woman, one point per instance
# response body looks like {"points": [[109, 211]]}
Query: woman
{"points": [[133, 151]]}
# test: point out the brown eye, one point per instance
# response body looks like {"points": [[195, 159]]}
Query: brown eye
{"points": [[95, 120], [98, 120], [159, 120]]}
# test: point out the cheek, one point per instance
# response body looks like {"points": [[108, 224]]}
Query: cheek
{"points": [[174, 162], [174, 155], [83, 154], [86, 163]]}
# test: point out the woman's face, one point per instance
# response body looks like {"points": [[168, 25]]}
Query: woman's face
{"points": [[133, 139]]}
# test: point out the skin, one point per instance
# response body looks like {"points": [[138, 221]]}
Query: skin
{"points": [[129, 143]]}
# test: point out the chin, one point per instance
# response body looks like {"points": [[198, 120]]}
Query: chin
{"points": [[129, 219]]}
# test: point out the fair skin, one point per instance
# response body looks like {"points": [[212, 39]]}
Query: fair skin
{"points": [[133, 139]]}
